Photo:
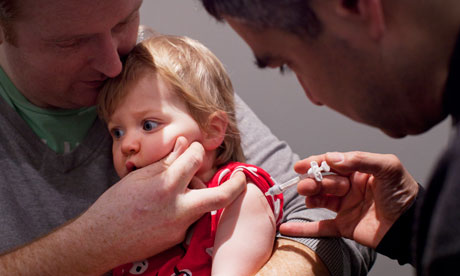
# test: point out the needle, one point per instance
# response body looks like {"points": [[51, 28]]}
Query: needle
{"points": [[315, 172]]}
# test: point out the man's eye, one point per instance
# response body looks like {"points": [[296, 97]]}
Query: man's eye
{"points": [[284, 69], [149, 125], [117, 133], [74, 43]]}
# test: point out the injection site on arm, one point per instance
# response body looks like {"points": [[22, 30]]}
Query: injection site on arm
{"points": [[315, 171]]}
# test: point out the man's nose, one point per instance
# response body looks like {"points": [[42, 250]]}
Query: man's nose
{"points": [[106, 59]]}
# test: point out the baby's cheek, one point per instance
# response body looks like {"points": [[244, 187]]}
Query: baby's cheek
{"points": [[154, 153], [120, 166]]}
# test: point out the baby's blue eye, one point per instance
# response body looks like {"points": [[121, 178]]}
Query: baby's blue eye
{"points": [[149, 125], [117, 133]]}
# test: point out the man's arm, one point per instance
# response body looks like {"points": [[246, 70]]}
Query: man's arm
{"points": [[263, 149], [293, 258], [70, 250], [155, 200]]}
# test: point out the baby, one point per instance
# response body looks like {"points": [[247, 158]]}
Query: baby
{"points": [[171, 87]]}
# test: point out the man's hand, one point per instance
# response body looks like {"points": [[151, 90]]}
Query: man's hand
{"points": [[369, 193], [145, 213], [293, 258]]}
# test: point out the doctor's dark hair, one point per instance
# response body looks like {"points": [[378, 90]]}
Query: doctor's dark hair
{"points": [[294, 16]]}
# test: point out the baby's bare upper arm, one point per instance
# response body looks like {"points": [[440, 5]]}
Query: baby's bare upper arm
{"points": [[245, 235]]}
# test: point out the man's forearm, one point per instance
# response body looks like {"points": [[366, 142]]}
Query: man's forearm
{"points": [[66, 251], [292, 258]]}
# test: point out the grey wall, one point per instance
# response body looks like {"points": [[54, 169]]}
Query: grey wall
{"points": [[280, 103]]}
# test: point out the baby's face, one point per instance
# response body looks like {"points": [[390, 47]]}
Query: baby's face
{"points": [[146, 124]]}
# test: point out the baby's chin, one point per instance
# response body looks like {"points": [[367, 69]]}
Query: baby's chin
{"points": [[122, 174]]}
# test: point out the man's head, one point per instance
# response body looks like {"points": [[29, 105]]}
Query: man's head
{"points": [[383, 63], [193, 74], [59, 52]]}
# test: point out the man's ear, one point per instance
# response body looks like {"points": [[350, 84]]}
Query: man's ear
{"points": [[368, 11], [216, 128], [2, 33]]}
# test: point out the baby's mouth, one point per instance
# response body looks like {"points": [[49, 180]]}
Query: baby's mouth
{"points": [[131, 167]]}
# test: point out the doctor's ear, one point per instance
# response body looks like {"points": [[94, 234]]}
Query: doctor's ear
{"points": [[216, 128], [364, 11]]}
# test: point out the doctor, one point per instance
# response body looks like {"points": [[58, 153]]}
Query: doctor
{"points": [[394, 65]]}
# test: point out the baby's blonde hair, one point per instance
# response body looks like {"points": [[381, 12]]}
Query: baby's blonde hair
{"points": [[195, 75]]}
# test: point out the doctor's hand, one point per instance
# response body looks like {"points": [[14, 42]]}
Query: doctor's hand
{"points": [[369, 193]]}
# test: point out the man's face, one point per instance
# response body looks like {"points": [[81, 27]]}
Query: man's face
{"points": [[352, 74], [65, 49]]}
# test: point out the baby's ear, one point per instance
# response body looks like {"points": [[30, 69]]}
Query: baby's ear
{"points": [[216, 128]]}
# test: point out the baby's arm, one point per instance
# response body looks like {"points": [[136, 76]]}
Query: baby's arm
{"points": [[245, 235]]}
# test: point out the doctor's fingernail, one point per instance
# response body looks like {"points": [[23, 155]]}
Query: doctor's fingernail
{"points": [[335, 157]]}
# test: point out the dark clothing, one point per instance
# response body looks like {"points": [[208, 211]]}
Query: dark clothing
{"points": [[427, 235]]}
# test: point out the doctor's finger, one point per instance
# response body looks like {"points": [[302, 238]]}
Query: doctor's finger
{"points": [[345, 163], [302, 166], [329, 202], [379, 165], [323, 228], [332, 184]]}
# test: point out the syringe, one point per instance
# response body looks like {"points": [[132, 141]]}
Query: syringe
{"points": [[315, 172]]}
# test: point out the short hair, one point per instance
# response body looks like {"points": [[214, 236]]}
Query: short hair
{"points": [[9, 11], [293, 16], [193, 72]]}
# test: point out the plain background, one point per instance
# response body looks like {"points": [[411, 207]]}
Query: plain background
{"points": [[281, 104]]}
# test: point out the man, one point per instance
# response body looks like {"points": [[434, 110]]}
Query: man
{"points": [[56, 159], [390, 64]]}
